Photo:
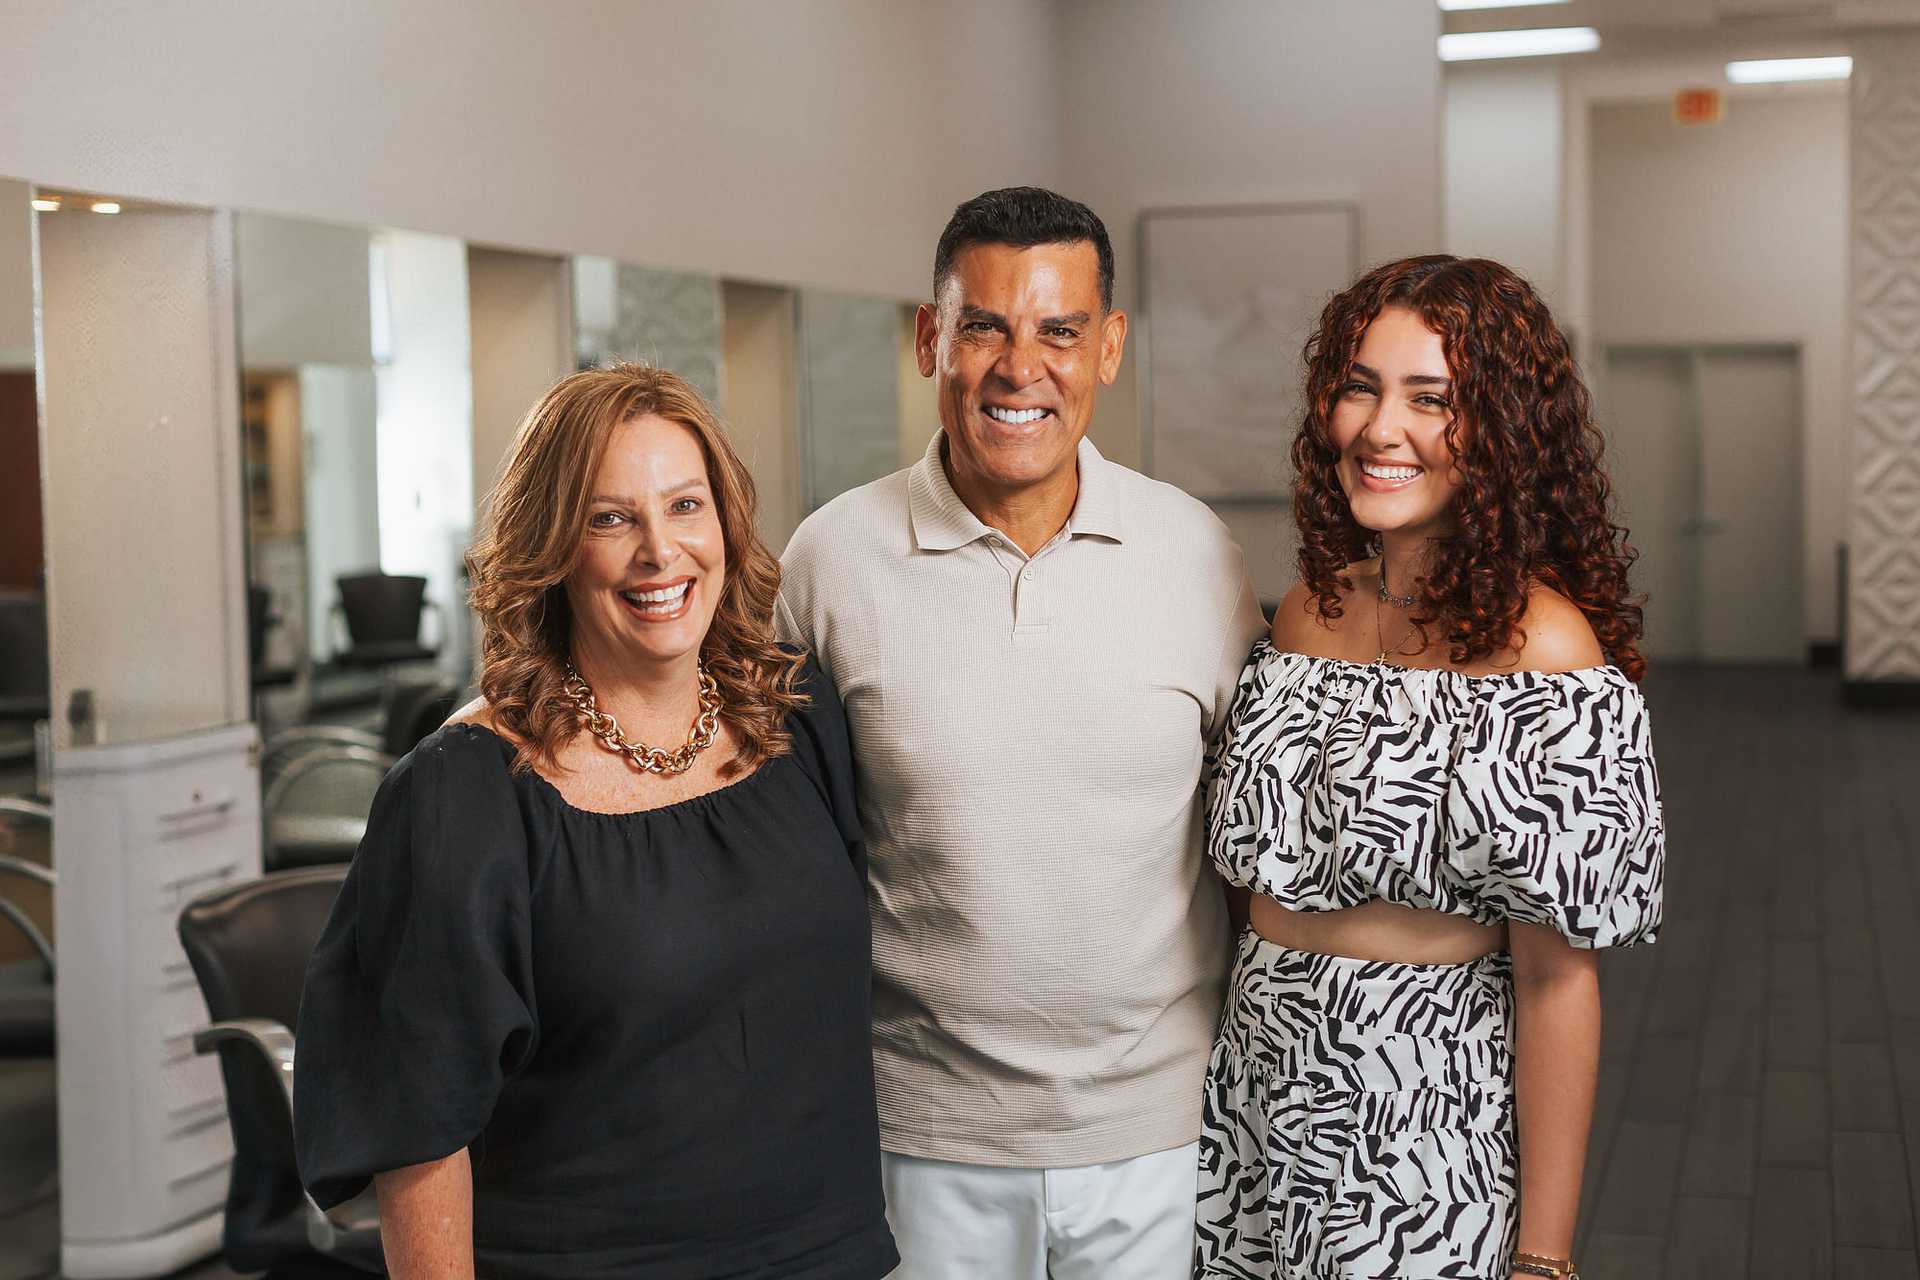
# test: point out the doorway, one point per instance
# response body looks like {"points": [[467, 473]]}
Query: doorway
{"points": [[1705, 449]]}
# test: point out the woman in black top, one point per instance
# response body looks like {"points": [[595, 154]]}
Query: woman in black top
{"points": [[588, 1007]]}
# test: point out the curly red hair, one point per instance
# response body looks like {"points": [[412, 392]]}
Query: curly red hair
{"points": [[1534, 506]]}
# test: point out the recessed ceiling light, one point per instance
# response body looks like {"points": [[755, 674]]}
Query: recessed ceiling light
{"points": [[44, 205], [1777, 70], [1467, 46], [105, 206], [1457, 6]]}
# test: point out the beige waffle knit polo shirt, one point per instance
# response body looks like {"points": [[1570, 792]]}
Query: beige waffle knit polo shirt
{"points": [[1049, 950]]}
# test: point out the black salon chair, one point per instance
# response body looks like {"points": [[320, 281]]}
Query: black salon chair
{"points": [[316, 805], [416, 710], [289, 744], [26, 990], [249, 947], [383, 614], [24, 682]]}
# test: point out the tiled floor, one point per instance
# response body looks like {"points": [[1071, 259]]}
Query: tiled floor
{"points": [[1759, 1105]]}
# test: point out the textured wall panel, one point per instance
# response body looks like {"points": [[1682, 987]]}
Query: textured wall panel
{"points": [[849, 392], [668, 319], [1883, 589]]}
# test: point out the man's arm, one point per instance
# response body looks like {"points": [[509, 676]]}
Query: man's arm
{"points": [[793, 621], [786, 629], [1245, 625]]}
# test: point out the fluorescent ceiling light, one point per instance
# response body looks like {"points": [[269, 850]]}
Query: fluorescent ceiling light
{"points": [[1457, 6], [106, 206], [1467, 46], [45, 205], [1775, 70]]}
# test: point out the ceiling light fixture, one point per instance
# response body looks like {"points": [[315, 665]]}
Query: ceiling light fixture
{"points": [[1461, 6], [1469, 46], [105, 206], [1781, 70], [45, 205]]}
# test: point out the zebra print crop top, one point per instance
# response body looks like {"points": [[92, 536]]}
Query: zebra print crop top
{"points": [[1524, 796]]}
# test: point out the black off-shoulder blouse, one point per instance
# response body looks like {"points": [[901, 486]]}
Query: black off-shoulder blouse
{"points": [[651, 1030]]}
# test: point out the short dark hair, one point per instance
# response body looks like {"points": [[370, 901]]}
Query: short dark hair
{"points": [[1023, 217]]}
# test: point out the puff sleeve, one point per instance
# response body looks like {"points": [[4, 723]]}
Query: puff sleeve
{"points": [[1553, 814], [824, 752], [419, 1000]]}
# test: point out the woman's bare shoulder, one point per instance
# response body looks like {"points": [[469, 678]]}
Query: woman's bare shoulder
{"points": [[1558, 636], [1299, 626]]}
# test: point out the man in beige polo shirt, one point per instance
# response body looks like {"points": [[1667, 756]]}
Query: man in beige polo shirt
{"points": [[1034, 646]]}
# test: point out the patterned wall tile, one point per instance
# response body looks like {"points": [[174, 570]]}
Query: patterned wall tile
{"points": [[668, 319], [850, 391], [1883, 578]]}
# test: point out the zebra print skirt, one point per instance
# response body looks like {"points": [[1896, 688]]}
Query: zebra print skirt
{"points": [[1359, 1121]]}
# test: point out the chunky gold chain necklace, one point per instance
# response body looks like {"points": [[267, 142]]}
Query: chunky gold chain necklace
{"points": [[648, 759]]}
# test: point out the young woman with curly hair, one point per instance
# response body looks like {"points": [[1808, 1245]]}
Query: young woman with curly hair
{"points": [[1437, 784], [593, 999]]}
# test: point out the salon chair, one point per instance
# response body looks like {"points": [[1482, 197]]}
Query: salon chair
{"points": [[416, 710], [26, 991], [249, 947], [24, 682], [383, 613], [289, 744], [316, 805]]}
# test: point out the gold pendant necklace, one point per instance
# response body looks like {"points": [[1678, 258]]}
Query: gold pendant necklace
{"points": [[644, 758], [1383, 596]]}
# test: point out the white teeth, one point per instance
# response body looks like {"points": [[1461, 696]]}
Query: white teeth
{"points": [[1389, 473], [1015, 417], [666, 595]]}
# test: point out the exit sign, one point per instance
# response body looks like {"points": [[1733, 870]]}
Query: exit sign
{"points": [[1698, 106]]}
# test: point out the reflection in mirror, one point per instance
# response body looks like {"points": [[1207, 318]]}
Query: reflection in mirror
{"points": [[28, 1167], [850, 392], [424, 377], [23, 615], [668, 319], [308, 417], [357, 416], [522, 324]]}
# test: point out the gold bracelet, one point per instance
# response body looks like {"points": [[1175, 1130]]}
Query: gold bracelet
{"points": [[1538, 1264]]}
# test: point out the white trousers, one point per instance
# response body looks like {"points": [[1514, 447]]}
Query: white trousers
{"points": [[1129, 1220]]}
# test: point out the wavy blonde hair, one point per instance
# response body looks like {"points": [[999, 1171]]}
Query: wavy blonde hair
{"points": [[530, 541]]}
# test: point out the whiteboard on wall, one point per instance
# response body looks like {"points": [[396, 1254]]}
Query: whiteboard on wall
{"points": [[1231, 294]]}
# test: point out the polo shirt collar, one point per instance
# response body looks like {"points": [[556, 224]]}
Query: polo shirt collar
{"points": [[941, 521]]}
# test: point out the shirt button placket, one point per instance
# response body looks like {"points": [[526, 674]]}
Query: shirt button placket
{"points": [[1031, 613]]}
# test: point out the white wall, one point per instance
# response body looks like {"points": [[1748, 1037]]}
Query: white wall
{"points": [[1239, 101], [1736, 232], [303, 292], [1503, 175], [821, 143]]}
